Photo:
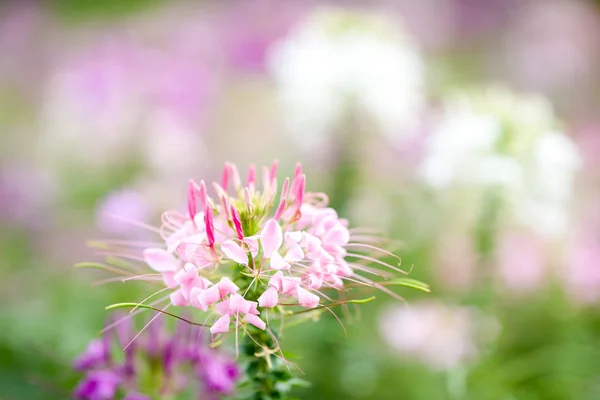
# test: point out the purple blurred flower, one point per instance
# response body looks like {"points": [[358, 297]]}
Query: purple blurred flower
{"points": [[562, 36], [251, 28], [119, 209], [98, 385], [96, 355], [174, 361], [105, 102], [220, 373]]}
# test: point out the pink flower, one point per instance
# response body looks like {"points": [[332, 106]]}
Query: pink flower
{"points": [[235, 256]]}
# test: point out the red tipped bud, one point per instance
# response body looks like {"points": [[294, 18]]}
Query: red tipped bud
{"points": [[225, 176], [237, 222], [192, 196], [210, 226]]}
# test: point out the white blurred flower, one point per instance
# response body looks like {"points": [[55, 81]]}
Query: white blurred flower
{"points": [[496, 139], [338, 58], [441, 336]]}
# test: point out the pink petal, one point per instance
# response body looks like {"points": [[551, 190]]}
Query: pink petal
{"points": [[277, 262], [221, 325], [276, 280], [237, 304], [315, 281], [269, 298], [169, 279], [177, 299], [209, 296], [289, 284], [256, 321], [186, 275], [295, 253], [160, 260], [234, 252], [253, 307], [223, 307], [271, 238], [336, 282], [337, 236], [194, 298], [203, 283], [295, 236], [252, 242], [226, 286], [307, 299]]}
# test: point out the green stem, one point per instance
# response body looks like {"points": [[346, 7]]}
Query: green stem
{"points": [[266, 374]]}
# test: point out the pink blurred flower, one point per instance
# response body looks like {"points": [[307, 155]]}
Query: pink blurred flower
{"points": [[582, 277], [562, 36], [249, 29], [117, 212], [521, 262], [106, 101], [456, 262], [441, 336]]}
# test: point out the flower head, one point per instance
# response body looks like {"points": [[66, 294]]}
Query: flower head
{"points": [[248, 256]]}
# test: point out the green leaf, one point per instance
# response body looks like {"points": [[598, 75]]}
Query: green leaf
{"points": [[411, 283], [128, 305]]}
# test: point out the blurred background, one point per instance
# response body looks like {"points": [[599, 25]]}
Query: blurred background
{"points": [[468, 131]]}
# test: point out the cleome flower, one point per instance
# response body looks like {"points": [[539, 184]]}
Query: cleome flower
{"points": [[247, 257]]}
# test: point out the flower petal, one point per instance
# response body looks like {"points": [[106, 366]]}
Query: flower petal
{"points": [[234, 252], [295, 253], [209, 296], [269, 298], [306, 298], [256, 321], [237, 304], [276, 280], [252, 242], [271, 238], [221, 325], [277, 262], [289, 284], [160, 260], [226, 286], [177, 299]]}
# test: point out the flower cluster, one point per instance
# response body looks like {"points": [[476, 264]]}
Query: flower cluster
{"points": [[237, 256], [157, 363], [287, 258]]}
